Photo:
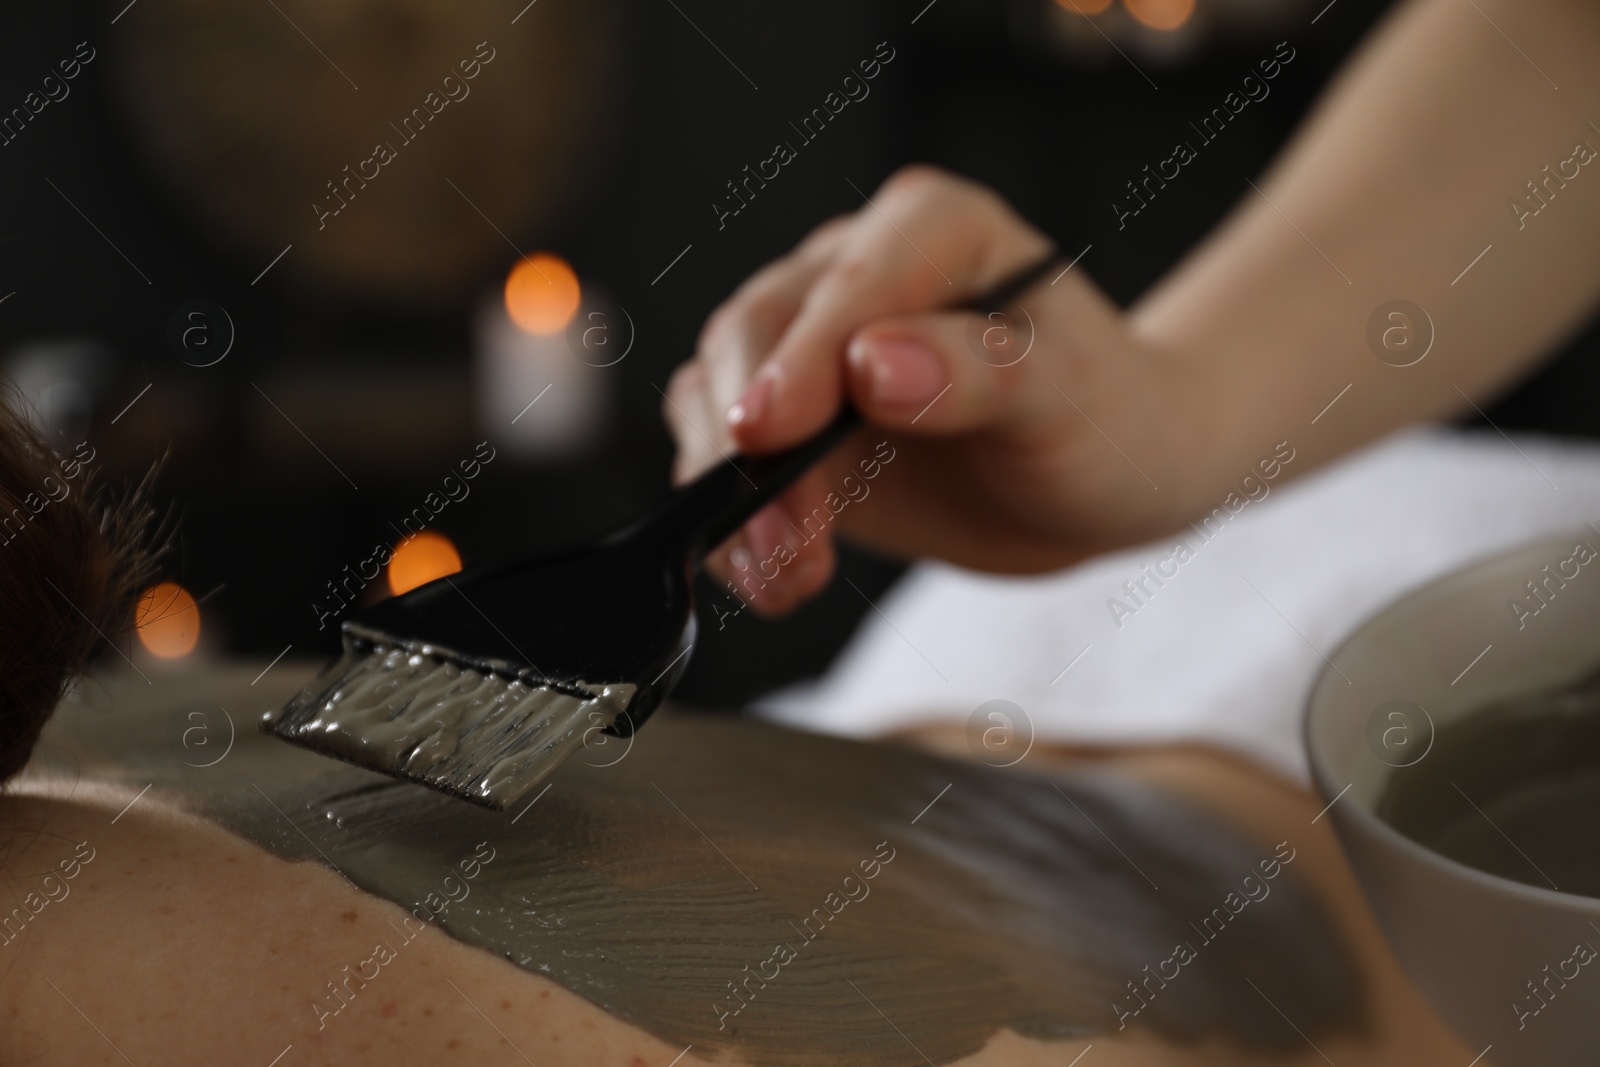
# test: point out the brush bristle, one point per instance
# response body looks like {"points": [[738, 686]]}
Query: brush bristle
{"points": [[416, 712]]}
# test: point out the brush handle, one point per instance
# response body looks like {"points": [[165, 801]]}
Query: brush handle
{"points": [[704, 513], [725, 497]]}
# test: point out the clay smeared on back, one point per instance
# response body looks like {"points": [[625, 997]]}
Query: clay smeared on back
{"points": [[785, 897]]}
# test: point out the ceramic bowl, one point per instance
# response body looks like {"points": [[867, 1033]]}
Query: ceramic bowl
{"points": [[1496, 958]]}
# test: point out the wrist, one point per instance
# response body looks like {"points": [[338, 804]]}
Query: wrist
{"points": [[1215, 443]]}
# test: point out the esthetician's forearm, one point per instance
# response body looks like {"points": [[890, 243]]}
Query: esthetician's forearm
{"points": [[1401, 177]]}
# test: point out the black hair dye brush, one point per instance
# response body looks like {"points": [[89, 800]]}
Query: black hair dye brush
{"points": [[479, 685]]}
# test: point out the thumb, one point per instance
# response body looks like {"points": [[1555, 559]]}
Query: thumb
{"points": [[949, 372], [946, 373]]}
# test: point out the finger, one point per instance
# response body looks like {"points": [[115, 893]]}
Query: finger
{"points": [[691, 418], [956, 372], [792, 545], [740, 333], [736, 339], [927, 241], [784, 555]]}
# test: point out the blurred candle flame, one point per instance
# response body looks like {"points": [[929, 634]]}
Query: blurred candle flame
{"points": [[168, 621], [1161, 14], [421, 559], [542, 294]]}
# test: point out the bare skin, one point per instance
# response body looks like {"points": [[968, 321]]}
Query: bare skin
{"points": [[180, 944], [1121, 425]]}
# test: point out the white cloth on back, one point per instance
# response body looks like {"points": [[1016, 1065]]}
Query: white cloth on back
{"points": [[1225, 650]]}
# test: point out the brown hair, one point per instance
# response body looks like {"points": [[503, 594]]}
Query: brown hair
{"points": [[72, 567]]}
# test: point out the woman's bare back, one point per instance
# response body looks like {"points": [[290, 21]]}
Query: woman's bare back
{"points": [[175, 941]]}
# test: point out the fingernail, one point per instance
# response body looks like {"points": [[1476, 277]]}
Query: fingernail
{"points": [[903, 372], [767, 531], [753, 404]]}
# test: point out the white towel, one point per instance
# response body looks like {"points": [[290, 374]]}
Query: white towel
{"points": [[1226, 650]]}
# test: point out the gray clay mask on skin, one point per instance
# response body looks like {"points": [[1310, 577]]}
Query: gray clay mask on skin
{"points": [[774, 896]]}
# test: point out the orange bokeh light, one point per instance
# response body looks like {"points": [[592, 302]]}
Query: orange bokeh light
{"points": [[542, 294], [1161, 14], [1084, 7], [168, 621], [419, 560]]}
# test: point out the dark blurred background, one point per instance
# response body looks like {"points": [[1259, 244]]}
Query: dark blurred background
{"points": [[370, 356]]}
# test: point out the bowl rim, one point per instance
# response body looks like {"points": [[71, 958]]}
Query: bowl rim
{"points": [[1316, 760]]}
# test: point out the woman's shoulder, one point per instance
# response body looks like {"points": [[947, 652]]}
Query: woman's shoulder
{"points": [[132, 931]]}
